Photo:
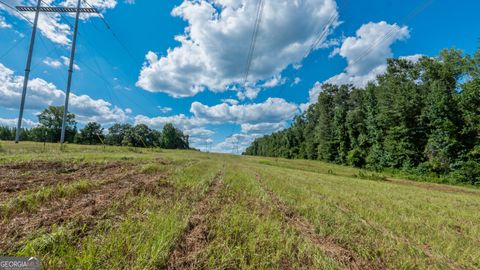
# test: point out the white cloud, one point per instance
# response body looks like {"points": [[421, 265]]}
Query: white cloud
{"points": [[164, 109], [230, 101], [42, 94], [180, 121], [273, 110], [200, 133], [367, 55], [52, 62], [235, 142], [213, 50], [274, 82], [3, 23], [26, 123], [101, 5], [296, 81], [367, 52], [57, 63], [255, 120], [263, 128], [413, 58]]}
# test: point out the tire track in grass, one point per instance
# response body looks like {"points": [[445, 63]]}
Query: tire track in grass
{"points": [[346, 258], [194, 239]]}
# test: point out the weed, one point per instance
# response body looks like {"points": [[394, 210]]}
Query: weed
{"points": [[152, 168]]}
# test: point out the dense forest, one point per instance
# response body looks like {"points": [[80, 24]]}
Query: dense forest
{"points": [[50, 124], [420, 117]]}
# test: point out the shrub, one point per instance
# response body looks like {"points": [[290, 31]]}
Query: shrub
{"points": [[469, 173]]}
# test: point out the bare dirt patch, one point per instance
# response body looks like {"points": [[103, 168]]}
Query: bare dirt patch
{"points": [[85, 209], [345, 257], [431, 186], [195, 238], [18, 177]]}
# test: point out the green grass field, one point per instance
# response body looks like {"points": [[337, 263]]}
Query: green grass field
{"points": [[90, 207]]}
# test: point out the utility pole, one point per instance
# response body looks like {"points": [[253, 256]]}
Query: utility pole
{"points": [[70, 73], [37, 9], [27, 71]]}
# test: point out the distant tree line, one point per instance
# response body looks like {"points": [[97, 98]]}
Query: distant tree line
{"points": [[50, 125], [421, 117]]}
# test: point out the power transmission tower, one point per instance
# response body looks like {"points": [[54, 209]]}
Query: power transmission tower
{"points": [[37, 9]]}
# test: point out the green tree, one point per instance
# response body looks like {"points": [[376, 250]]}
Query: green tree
{"points": [[51, 118], [140, 136], [173, 138], [116, 133], [324, 129], [91, 134]]}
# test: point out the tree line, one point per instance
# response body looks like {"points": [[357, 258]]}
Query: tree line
{"points": [[50, 124], [421, 117]]}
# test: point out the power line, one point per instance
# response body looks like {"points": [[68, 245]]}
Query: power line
{"points": [[251, 51], [100, 74], [14, 9], [322, 35], [16, 44], [107, 25]]}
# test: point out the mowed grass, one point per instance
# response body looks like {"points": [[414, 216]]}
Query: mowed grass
{"points": [[389, 223]]}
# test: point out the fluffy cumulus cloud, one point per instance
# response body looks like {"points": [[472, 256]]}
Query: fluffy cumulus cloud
{"points": [[263, 128], [27, 123], [264, 117], [51, 25], [213, 50], [180, 121], [255, 120], [273, 110], [367, 52], [42, 94], [235, 144]]}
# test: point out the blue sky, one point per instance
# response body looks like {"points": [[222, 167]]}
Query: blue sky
{"points": [[184, 61]]}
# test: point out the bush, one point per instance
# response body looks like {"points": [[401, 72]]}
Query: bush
{"points": [[356, 157], [469, 173]]}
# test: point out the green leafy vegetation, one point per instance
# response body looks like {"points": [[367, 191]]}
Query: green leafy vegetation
{"points": [[421, 118]]}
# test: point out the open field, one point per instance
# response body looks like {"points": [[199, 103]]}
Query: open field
{"points": [[129, 208]]}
